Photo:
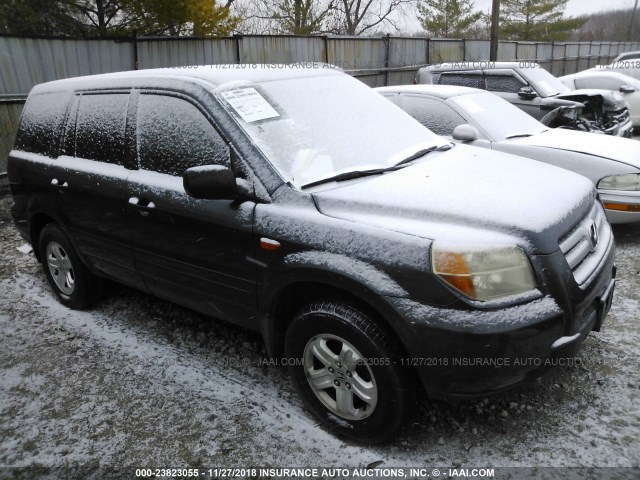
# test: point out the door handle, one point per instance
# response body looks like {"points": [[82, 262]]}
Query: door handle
{"points": [[59, 183], [143, 205]]}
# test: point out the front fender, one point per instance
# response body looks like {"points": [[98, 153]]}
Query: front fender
{"points": [[355, 278]]}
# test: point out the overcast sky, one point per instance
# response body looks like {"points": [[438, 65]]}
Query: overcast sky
{"points": [[577, 7]]}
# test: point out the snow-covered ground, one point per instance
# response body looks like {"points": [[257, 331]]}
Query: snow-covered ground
{"points": [[139, 381]]}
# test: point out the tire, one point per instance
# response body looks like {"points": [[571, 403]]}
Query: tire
{"points": [[360, 390], [72, 283]]}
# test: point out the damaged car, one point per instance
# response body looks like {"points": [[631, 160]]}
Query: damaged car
{"points": [[531, 88]]}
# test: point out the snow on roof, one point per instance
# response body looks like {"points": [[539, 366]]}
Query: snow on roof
{"points": [[475, 65], [214, 74], [441, 91]]}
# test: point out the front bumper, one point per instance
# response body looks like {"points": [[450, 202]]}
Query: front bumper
{"points": [[621, 207], [466, 354], [622, 130]]}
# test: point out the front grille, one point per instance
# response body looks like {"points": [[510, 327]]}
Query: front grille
{"points": [[586, 245]]}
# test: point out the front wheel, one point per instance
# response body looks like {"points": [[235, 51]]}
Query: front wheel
{"points": [[348, 373], [73, 284]]}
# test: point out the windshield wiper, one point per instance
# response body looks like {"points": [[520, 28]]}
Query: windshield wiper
{"points": [[423, 152], [342, 177]]}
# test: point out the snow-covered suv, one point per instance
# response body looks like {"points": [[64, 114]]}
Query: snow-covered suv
{"points": [[374, 256]]}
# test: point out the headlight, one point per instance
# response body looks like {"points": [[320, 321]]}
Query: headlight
{"points": [[485, 274], [629, 182]]}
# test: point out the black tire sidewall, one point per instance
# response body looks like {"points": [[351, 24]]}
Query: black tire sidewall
{"points": [[392, 384], [80, 297]]}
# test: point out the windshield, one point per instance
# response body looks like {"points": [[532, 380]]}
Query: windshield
{"points": [[496, 116], [545, 84], [312, 128]]}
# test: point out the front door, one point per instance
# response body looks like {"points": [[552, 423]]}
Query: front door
{"points": [[192, 252]]}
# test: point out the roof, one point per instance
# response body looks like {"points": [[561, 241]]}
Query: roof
{"points": [[440, 91], [599, 73], [213, 74], [472, 65]]}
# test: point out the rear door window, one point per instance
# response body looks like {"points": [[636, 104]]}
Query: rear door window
{"points": [[174, 135], [473, 80], [100, 127]]}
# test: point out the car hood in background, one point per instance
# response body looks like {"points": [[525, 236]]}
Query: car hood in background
{"points": [[468, 195], [611, 101], [622, 150]]}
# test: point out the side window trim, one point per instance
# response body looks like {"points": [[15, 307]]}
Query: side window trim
{"points": [[67, 139], [130, 137], [188, 98]]}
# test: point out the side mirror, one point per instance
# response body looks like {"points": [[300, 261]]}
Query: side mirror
{"points": [[627, 89], [210, 182], [527, 93], [465, 133]]}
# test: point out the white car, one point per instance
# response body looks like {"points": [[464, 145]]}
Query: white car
{"points": [[480, 118], [627, 56], [628, 86]]}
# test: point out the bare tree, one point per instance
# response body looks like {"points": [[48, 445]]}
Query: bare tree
{"points": [[605, 26], [356, 17]]}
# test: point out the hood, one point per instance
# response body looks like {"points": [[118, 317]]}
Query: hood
{"points": [[622, 150], [611, 101], [468, 195]]}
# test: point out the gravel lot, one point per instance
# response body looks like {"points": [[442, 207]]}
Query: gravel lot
{"points": [[138, 381]]}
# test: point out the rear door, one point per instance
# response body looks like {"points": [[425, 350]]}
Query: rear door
{"points": [[192, 252], [90, 177]]}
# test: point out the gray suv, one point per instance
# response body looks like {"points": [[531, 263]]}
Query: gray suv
{"points": [[376, 258]]}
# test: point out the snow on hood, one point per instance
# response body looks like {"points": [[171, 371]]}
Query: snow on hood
{"points": [[622, 150], [480, 194]]}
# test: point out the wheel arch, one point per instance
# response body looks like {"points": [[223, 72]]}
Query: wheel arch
{"points": [[36, 223], [301, 286]]}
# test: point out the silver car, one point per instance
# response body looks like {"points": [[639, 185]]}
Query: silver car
{"points": [[479, 118]]}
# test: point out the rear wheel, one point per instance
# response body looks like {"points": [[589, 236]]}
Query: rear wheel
{"points": [[73, 284], [348, 372]]}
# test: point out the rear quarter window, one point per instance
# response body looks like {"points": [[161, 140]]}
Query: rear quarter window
{"points": [[41, 122]]}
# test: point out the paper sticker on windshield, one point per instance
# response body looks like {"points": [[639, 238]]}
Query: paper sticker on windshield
{"points": [[249, 104], [469, 104]]}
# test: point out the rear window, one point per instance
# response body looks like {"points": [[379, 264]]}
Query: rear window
{"points": [[41, 122]]}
